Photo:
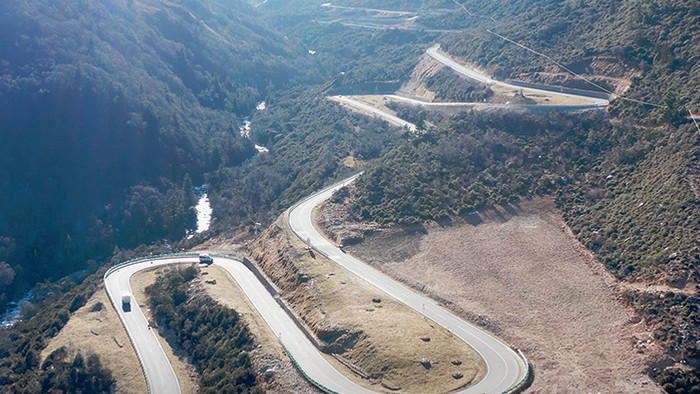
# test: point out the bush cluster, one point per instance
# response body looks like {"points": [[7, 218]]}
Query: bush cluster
{"points": [[478, 159], [216, 341], [21, 344]]}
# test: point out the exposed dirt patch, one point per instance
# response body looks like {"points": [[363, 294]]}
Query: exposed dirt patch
{"points": [[376, 101], [338, 224], [525, 96], [415, 87], [232, 245], [608, 72], [615, 85], [341, 309], [521, 274], [97, 329]]}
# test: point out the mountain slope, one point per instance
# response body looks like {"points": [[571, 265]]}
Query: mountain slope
{"points": [[655, 41], [96, 97]]}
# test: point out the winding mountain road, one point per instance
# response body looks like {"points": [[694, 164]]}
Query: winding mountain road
{"points": [[575, 101], [505, 368], [375, 111], [477, 75], [161, 377]]}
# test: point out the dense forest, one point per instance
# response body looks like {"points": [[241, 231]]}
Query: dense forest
{"points": [[109, 111], [353, 61], [310, 140]]}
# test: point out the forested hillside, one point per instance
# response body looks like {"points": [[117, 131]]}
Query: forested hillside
{"points": [[106, 107], [475, 160], [111, 111], [626, 180], [310, 142], [354, 61], [654, 41]]}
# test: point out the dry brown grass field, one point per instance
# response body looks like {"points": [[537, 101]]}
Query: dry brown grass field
{"points": [[520, 274], [382, 339]]}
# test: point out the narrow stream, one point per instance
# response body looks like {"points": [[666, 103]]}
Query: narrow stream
{"points": [[11, 316], [204, 211], [203, 214]]}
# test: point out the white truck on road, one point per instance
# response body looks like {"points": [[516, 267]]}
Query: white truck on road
{"points": [[126, 302]]}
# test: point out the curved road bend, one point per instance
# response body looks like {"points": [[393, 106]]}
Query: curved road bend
{"points": [[160, 375], [445, 59], [366, 107], [504, 368]]}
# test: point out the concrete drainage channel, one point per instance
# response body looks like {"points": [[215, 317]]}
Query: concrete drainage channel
{"points": [[275, 294], [526, 381]]}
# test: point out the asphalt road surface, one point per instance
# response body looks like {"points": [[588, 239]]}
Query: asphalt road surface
{"points": [[505, 368], [472, 73], [160, 375], [159, 372], [366, 107]]}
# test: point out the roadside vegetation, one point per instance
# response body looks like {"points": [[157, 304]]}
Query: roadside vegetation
{"points": [[653, 39], [477, 159], [308, 138], [213, 337], [450, 87], [21, 369], [624, 181], [637, 211], [100, 153]]}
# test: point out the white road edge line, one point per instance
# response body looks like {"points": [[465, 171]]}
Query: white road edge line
{"points": [[505, 369]]}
